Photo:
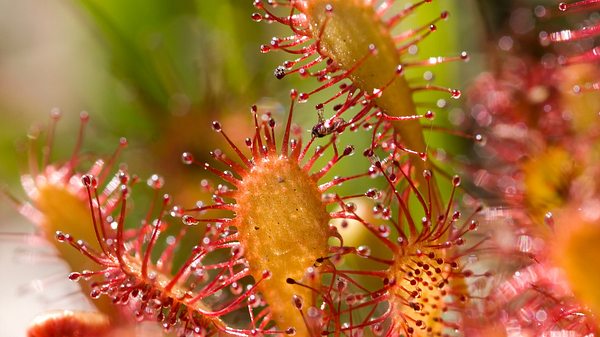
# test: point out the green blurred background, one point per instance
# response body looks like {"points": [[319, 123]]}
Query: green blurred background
{"points": [[158, 72]]}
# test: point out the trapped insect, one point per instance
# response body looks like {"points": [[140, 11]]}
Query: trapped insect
{"points": [[327, 127]]}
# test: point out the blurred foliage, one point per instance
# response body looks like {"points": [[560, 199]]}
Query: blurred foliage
{"points": [[178, 65]]}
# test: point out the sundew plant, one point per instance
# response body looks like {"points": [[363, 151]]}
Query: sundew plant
{"points": [[306, 168]]}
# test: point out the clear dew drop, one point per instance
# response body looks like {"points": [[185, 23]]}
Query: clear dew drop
{"points": [[60, 236], [266, 274], [349, 150], [256, 17], [95, 293], [303, 97], [384, 231], [341, 285], [236, 288], [189, 220], [176, 211], [363, 251], [549, 219], [124, 191], [473, 225], [479, 139], [456, 181], [155, 182], [265, 49], [123, 177], [562, 7], [75, 276], [372, 193], [465, 56], [350, 207], [89, 180], [187, 158], [298, 302], [455, 93]]}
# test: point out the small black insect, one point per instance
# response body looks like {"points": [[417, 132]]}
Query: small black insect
{"points": [[327, 127]]}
